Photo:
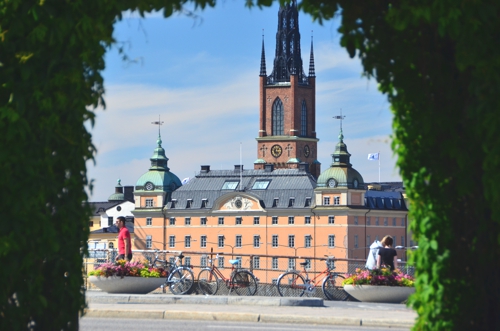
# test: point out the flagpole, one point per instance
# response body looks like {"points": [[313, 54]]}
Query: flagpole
{"points": [[379, 167]]}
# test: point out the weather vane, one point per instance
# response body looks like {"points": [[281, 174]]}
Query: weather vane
{"points": [[158, 123], [339, 117]]}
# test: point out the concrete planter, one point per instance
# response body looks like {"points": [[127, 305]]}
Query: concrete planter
{"points": [[134, 285], [387, 294]]}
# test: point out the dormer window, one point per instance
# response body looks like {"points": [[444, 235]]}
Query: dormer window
{"points": [[189, 203], [204, 203], [230, 185], [261, 184], [172, 203], [291, 202], [275, 202], [308, 202]]}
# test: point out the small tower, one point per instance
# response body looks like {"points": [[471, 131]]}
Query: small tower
{"points": [[154, 188], [287, 133], [118, 195]]}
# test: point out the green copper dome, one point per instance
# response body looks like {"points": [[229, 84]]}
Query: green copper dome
{"points": [[159, 177], [341, 174], [118, 195]]}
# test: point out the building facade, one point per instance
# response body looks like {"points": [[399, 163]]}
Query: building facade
{"points": [[286, 206], [287, 98]]}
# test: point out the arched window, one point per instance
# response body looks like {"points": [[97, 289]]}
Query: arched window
{"points": [[278, 118], [303, 119]]}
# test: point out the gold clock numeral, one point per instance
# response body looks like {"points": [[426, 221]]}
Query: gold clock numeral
{"points": [[276, 150]]}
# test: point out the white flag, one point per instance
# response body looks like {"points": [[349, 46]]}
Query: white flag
{"points": [[373, 156]]}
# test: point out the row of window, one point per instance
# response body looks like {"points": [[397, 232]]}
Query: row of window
{"points": [[258, 185], [278, 117], [238, 241], [385, 220], [326, 201], [239, 220], [256, 241], [291, 220]]}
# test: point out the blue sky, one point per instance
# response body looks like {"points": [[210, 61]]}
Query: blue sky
{"points": [[201, 76]]}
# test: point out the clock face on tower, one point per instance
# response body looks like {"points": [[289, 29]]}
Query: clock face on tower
{"points": [[307, 151], [332, 182], [149, 186], [276, 150]]}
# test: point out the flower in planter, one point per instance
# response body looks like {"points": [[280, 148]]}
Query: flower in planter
{"points": [[382, 276], [122, 268]]}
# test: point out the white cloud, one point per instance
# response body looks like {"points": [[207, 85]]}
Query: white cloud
{"points": [[208, 101]]}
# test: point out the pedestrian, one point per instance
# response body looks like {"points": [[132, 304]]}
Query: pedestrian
{"points": [[371, 261], [124, 243], [387, 255]]}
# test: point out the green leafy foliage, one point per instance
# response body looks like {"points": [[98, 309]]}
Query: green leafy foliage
{"points": [[51, 58], [437, 61]]}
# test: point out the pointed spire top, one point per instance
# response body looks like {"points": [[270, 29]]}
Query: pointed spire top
{"points": [[263, 58], [159, 160], [311, 59], [159, 123], [287, 60], [340, 117]]}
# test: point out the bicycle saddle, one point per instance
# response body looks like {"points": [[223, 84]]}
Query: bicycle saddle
{"points": [[303, 263], [234, 261]]}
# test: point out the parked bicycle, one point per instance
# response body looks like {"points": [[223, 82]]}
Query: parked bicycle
{"points": [[295, 284], [180, 278], [242, 281]]}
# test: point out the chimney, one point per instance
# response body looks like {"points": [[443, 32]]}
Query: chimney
{"points": [[238, 168], [205, 168], [303, 166], [269, 167], [129, 193]]}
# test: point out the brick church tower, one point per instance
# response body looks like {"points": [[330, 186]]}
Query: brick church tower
{"points": [[287, 135]]}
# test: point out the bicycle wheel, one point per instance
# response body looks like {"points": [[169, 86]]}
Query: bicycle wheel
{"points": [[181, 280], [291, 284], [333, 289], [244, 283], [208, 282]]}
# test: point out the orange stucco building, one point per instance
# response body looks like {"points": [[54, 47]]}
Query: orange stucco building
{"points": [[284, 206]]}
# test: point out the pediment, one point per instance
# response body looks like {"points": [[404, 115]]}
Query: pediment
{"points": [[239, 203]]}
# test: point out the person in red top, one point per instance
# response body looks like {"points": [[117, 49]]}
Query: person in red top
{"points": [[124, 243]]}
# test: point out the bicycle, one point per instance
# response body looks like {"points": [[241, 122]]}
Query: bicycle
{"points": [[180, 279], [293, 283], [242, 281]]}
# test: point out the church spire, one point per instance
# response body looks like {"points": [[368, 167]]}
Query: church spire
{"points": [[159, 160], [311, 60], [341, 156], [263, 58], [287, 60]]}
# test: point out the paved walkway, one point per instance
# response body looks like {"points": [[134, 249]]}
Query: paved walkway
{"points": [[249, 309]]}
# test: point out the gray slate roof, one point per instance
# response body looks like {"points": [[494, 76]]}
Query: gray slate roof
{"points": [[384, 200], [284, 184], [101, 207]]}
